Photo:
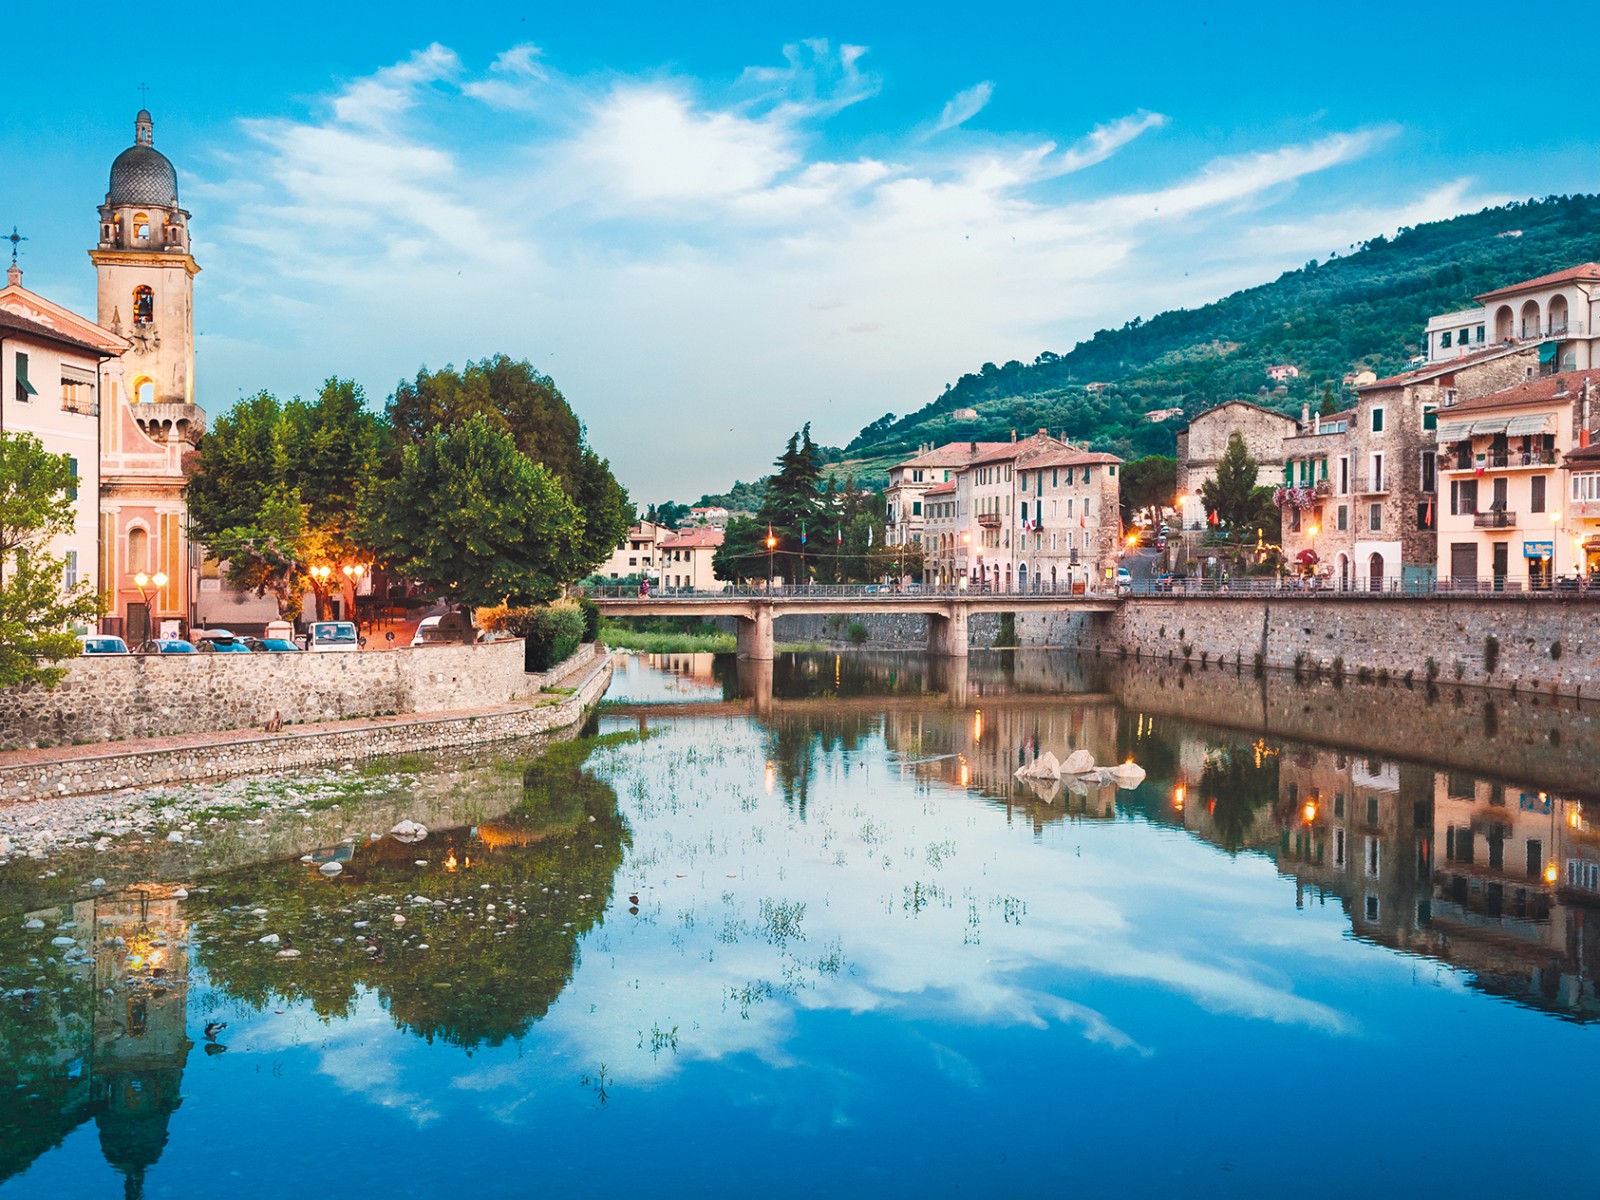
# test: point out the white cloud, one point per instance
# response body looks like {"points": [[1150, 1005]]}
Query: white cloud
{"points": [[664, 245], [963, 106]]}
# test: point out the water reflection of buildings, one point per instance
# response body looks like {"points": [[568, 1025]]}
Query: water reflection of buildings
{"points": [[115, 1045], [1499, 881]]}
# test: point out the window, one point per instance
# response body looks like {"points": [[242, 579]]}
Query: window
{"points": [[24, 388], [1535, 859], [144, 305], [1294, 518], [69, 575], [1586, 486], [916, 508], [1477, 335], [141, 226], [1536, 496], [1111, 470], [1377, 472], [1055, 476], [72, 469], [1430, 417], [1425, 514], [1444, 340], [1377, 420], [1373, 857], [138, 551], [1372, 810], [1338, 804], [1338, 847], [1375, 518], [1344, 476], [1463, 496], [1430, 471]]}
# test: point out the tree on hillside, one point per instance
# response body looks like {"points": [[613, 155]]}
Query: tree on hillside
{"points": [[37, 613], [793, 507], [496, 527], [1148, 483], [516, 398]]}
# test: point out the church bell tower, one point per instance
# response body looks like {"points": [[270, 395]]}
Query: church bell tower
{"points": [[146, 273]]}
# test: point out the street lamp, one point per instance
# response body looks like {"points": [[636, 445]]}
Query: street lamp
{"points": [[319, 585], [353, 572], [141, 581], [772, 544]]}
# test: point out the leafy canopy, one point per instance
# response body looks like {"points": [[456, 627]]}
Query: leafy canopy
{"points": [[37, 614], [473, 519]]}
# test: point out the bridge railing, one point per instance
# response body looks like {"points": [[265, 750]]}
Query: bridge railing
{"points": [[860, 591]]}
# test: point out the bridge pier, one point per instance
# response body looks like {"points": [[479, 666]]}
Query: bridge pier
{"points": [[947, 632], [755, 634], [754, 676]]}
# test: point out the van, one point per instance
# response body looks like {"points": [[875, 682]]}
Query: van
{"points": [[332, 636]]}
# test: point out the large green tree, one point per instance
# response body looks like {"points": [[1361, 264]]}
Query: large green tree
{"points": [[794, 509], [1240, 507], [515, 397], [1148, 483], [274, 488], [474, 520], [37, 613]]}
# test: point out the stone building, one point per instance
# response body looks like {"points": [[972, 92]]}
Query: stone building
{"points": [[1372, 472], [909, 482], [1202, 443]]}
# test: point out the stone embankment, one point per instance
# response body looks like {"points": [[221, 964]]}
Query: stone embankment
{"points": [[183, 756], [1548, 645], [104, 699]]}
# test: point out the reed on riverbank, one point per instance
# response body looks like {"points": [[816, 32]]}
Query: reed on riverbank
{"points": [[700, 641]]}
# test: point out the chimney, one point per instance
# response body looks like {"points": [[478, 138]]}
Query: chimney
{"points": [[1013, 435], [13, 275], [1305, 415], [1316, 422], [974, 447]]}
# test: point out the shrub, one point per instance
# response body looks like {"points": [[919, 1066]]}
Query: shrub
{"points": [[550, 632], [1491, 653], [1007, 636], [856, 633], [591, 618]]}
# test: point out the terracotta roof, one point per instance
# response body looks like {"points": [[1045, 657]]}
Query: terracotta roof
{"points": [[1582, 273], [941, 489], [1585, 456], [15, 324], [1563, 386], [1245, 403], [1434, 370], [1007, 451], [1071, 458], [686, 539], [951, 454]]}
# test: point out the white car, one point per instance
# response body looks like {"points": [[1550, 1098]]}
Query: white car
{"points": [[443, 629], [101, 643], [334, 636], [1124, 579]]}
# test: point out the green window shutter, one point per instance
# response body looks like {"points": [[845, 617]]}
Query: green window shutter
{"points": [[1430, 418], [72, 488], [24, 388]]}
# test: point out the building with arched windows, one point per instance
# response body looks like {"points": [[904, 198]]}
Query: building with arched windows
{"points": [[145, 293]]}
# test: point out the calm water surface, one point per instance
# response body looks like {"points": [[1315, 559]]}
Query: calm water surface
{"points": [[798, 931]]}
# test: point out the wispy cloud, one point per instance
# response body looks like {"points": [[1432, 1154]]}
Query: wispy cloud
{"points": [[963, 106]]}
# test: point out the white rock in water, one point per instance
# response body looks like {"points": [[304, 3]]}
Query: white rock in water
{"points": [[1127, 775], [420, 900], [330, 868], [270, 940], [63, 941], [306, 858], [409, 832], [97, 883], [175, 836], [1079, 762], [288, 954], [181, 894], [399, 919], [33, 924]]}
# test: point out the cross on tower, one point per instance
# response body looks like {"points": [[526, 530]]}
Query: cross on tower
{"points": [[15, 239], [143, 90]]}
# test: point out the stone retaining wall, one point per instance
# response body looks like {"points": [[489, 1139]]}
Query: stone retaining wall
{"points": [[1543, 644], [109, 698], [885, 631], [588, 672]]}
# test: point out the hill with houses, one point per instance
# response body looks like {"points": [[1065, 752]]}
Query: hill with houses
{"points": [[1281, 344]]}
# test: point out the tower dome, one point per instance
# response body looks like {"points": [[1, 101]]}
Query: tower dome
{"points": [[142, 174]]}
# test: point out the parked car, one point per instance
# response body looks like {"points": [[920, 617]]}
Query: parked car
{"points": [[1164, 582], [100, 643], [220, 641], [443, 629], [166, 646], [333, 636], [273, 645], [1124, 579]]}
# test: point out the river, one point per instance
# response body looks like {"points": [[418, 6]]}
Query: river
{"points": [[797, 929]]}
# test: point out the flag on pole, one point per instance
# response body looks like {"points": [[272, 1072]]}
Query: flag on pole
{"points": [[1427, 519], [1213, 518], [869, 537], [841, 535], [802, 533]]}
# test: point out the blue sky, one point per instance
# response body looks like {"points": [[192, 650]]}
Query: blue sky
{"points": [[711, 225]]}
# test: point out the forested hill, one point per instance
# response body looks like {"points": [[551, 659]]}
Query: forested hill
{"points": [[1364, 310]]}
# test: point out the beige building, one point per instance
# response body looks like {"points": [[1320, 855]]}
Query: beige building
{"points": [[685, 559], [56, 366], [1559, 312], [638, 554], [1504, 525], [910, 481]]}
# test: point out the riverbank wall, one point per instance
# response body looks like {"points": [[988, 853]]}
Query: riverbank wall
{"points": [[114, 697], [1545, 645], [884, 631], [83, 770]]}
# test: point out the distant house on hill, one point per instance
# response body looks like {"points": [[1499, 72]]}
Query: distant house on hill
{"points": [[1157, 415], [1094, 389], [964, 414], [1282, 371], [1359, 378]]}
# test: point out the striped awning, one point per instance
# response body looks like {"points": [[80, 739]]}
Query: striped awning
{"points": [[1523, 426], [1454, 431], [1492, 426]]}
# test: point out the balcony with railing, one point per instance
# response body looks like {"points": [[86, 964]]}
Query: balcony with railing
{"points": [[1371, 485], [1503, 460], [989, 520], [1494, 520], [1533, 330]]}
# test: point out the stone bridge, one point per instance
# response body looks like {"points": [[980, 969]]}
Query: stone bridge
{"points": [[947, 613]]}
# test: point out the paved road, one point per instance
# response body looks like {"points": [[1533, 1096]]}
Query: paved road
{"points": [[1143, 563]]}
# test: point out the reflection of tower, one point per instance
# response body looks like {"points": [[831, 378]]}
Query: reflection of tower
{"points": [[141, 1043]]}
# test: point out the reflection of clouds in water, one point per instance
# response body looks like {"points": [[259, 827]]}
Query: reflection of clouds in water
{"points": [[957, 936], [364, 1054]]}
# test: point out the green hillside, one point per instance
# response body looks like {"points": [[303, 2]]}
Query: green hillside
{"points": [[1366, 310]]}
